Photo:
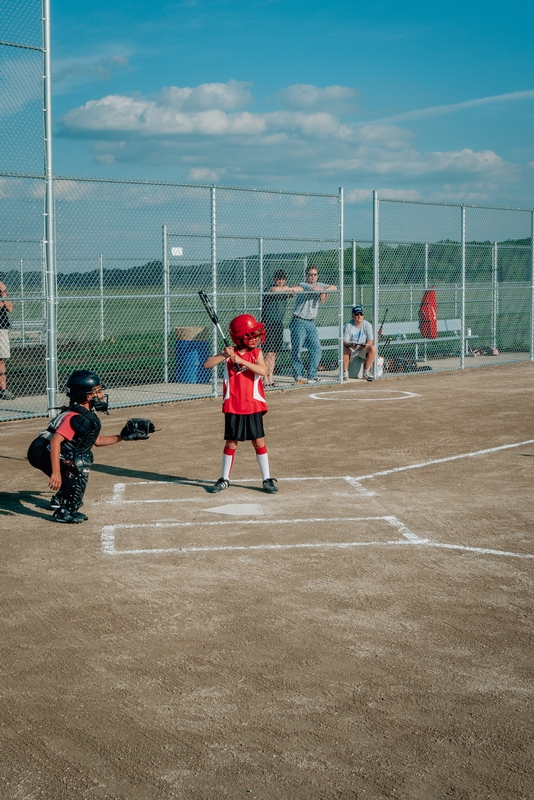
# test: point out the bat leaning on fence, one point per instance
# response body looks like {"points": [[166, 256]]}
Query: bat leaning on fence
{"points": [[213, 316]]}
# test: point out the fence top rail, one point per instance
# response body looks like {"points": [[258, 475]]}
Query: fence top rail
{"points": [[23, 46], [451, 243], [452, 205], [251, 238], [83, 179]]}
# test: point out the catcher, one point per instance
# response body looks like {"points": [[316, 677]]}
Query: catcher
{"points": [[63, 450]]}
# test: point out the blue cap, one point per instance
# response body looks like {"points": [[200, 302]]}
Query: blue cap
{"points": [[357, 310]]}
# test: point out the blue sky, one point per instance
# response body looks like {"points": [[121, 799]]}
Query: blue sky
{"points": [[420, 100]]}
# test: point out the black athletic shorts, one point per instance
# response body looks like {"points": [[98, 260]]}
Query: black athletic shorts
{"points": [[274, 341], [39, 455], [243, 427]]}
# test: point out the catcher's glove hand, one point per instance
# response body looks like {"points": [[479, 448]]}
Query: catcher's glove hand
{"points": [[137, 429]]}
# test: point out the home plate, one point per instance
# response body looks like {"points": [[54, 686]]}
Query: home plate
{"points": [[238, 510]]}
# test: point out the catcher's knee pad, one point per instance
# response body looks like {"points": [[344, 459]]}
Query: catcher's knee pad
{"points": [[75, 480]]}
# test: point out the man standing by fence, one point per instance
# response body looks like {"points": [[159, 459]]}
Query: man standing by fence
{"points": [[6, 306], [302, 326]]}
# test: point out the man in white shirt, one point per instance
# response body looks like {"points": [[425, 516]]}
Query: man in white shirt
{"points": [[302, 325], [358, 342]]}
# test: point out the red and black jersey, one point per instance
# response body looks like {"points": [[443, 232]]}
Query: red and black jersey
{"points": [[243, 391]]}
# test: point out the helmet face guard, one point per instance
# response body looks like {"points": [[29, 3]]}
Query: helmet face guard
{"points": [[246, 331], [101, 403]]}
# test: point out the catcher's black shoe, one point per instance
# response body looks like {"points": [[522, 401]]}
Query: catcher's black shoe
{"points": [[55, 501], [269, 487], [220, 486], [69, 517]]}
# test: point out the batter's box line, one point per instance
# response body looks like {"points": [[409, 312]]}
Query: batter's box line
{"points": [[409, 538]]}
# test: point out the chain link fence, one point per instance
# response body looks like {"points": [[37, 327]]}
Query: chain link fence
{"points": [[477, 263], [131, 258]]}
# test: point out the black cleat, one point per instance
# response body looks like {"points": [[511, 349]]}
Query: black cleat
{"points": [[55, 501], [220, 486], [269, 487], [68, 517]]}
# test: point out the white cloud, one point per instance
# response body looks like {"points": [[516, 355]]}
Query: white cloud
{"points": [[223, 96], [118, 114], [100, 69], [306, 96], [168, 116], [357, 195], [203, 175], [412, 163]]}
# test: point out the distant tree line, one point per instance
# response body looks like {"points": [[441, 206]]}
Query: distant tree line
{"points": [[403, 263]]}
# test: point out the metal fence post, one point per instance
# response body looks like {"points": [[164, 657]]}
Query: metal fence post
{"points": [[426, 265], [341, 280], [376, 267], [213, 209], [494, 298], [245, 284], [49, 223], [462, 315], [165, 260], [354, 272], [260, 261], [532, 286], [101, 276], [22, 310]]}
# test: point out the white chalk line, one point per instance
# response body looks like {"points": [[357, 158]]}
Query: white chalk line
{"points": [[409, 538], [403, 395], [442, 460], [108, 535]]}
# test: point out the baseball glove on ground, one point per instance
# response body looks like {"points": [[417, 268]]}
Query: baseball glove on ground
{"points": [[137, 429]]}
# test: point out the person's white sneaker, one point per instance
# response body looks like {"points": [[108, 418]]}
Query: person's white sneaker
{"points": [[368, 375], [345, 374]]}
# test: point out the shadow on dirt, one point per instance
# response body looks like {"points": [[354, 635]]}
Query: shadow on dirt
{"points": [[124, 472], [11, 504]]}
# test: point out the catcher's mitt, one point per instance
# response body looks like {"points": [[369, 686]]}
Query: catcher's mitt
{"points": [[137, 429]]}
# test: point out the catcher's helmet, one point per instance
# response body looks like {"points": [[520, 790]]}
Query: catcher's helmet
{"points": [[80, 383], [245, 331]]}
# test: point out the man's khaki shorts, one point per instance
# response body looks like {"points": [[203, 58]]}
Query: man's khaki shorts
{"points": [[5, 350]]}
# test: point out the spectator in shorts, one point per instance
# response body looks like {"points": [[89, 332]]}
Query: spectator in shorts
{"points": [[274, 309], [358, 342], [303, 330], [6, 307]]}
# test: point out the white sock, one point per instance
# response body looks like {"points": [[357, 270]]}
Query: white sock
{"points": [[227, 462], [263, 461]]}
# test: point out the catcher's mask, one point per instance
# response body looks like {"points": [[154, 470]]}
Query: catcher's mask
{"points": [[245, 331], [82, 382]]}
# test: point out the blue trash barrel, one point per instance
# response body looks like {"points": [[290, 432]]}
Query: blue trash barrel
{"points": [[190, 355]]}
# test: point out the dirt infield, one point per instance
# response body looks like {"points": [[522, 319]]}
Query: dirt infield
{"points": [[364, 633]]}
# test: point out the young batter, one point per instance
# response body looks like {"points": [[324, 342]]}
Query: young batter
{"points": [[244, 401]]}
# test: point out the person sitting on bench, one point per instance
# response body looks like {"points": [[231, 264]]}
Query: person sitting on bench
{"points": [[358, 342]]}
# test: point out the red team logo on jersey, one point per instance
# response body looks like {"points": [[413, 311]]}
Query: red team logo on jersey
{"points": [[243, 391]]}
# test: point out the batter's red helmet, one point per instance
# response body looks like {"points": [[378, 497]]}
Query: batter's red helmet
{"points": [[245, 331]]}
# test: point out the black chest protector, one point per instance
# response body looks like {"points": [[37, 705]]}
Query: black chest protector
{"points": [[86, 427]]}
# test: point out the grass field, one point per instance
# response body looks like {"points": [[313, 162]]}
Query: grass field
{"points": [[365, 633]]}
